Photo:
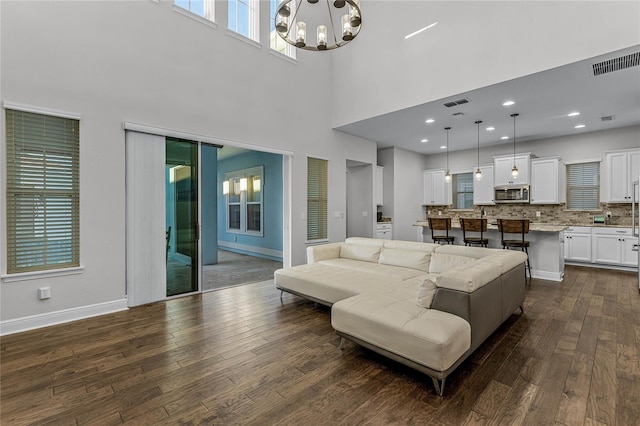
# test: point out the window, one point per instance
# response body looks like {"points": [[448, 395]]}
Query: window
{"points": [[316, 199], [43, 195], [463, 191], [275, 41], [583, 186], [202, 8], [244, 201], [243, 18]]}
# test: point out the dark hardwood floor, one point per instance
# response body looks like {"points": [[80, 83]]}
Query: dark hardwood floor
{"points": [[240, 356]]}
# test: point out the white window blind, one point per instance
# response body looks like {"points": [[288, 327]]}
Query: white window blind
{"points": [[43, 230], [583, 186], [317, 183]]}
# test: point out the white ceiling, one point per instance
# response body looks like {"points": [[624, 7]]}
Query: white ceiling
{"points": [[543, 101]]}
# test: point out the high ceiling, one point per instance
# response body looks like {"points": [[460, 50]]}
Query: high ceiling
{"points": [[542, 100]]}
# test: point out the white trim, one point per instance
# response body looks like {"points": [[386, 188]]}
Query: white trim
{"points": [[189, 14], [159, 131], [546, 275], [40, 110], [601, 266], [317, 242], [283, 56], [250, 249], [34, 275], [247, 40], [592, 160], [66, 315], [318, 157]]}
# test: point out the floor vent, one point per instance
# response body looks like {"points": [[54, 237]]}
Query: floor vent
{"points": [[458, 102], [616, 64]]}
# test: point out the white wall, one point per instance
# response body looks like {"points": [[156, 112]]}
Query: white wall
{"points": [[385, 159], [407, 198], [143, 62], [360, 201], [475, 44]]}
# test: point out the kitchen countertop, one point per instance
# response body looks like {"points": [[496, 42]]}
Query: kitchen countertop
{"points": [[533, 226]]}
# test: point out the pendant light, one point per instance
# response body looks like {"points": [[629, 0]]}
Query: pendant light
{"points": [[447, 176], [478, 172], [514, 170]]}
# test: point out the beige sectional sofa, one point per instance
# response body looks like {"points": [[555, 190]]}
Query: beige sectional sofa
{"points": [[424, 305]]}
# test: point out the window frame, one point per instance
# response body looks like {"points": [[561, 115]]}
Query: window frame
{"points": [[253, 25], [65, 156], [274, 39], [319, 196], [455, 192], [209, 12], [243, 201], [571, 188]]}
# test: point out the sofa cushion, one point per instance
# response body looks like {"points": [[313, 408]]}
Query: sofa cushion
{"points": [[410, 245], [329, 284], [427, 292], [364, 253], [389, 272], [445, 262], [405, 258], [475, 252], [395, 322]]}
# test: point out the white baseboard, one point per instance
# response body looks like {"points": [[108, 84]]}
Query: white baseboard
{"points": [[546, 275], [251, 249], [58, 317]]}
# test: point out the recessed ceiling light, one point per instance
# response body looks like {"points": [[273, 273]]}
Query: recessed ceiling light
{"points": [[420, 30], [424, 140], [429, 120], [573, 114], [508, 103], [443, 147], [504, 137], [490, 128], [580, 126]]}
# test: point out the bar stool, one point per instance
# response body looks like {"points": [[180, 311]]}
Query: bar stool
{"points": [[474, 225], [441, 224], [515, 226]]}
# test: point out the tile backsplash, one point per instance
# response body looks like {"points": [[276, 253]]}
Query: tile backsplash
{"points": [[552, 214]]}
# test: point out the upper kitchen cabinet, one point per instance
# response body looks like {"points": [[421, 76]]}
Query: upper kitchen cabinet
{"points": [[378, 174], [547, 181], [436, 192], [623, 167], [483, 188], [503, 166]]}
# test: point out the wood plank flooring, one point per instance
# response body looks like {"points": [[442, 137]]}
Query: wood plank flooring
{"points": [[240, 356]]}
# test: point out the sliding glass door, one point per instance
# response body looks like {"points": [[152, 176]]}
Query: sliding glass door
{"points": [[182, 227]]}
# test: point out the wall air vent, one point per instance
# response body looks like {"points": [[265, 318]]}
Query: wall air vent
{"points": [[608, 118], [616, 64], [457, 102]]}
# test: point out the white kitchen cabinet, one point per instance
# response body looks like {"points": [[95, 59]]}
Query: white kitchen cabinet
{"points": [[622, 169], [378, 174], [629, 256], [577, 244], [503, 166], [613, 246], [547, 181], [483, 189], [436, 192], [384, 231]]}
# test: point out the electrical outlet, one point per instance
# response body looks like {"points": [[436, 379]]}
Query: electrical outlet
{"points": [[538, 214], [439, 212], [44, 293]]}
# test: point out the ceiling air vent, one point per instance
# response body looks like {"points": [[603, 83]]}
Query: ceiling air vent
{"points": [[457, 102], [616, 64], [608, 118]]}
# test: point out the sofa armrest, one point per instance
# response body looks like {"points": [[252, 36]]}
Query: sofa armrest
{"points": [[323, 252]]}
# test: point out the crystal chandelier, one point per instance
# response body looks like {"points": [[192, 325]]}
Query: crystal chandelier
{"points": [[336, 25]]}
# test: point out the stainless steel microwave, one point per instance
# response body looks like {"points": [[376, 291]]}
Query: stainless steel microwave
{"points": [[511, 194]]}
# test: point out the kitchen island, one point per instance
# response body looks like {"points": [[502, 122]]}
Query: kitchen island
{"points": [[546, 251]]}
